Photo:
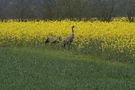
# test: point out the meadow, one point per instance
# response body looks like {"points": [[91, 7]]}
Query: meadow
{"points": [[114, 40], [27, 68], [101, 56]]}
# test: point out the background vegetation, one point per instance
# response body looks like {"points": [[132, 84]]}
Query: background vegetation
{"points": [[115, 40], [104, 10]]}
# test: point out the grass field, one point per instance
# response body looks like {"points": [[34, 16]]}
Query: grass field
{"points": [[101, 56], [26, 68]]}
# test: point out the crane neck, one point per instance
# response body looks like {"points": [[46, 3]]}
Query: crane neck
{"points": [[72, 30]]}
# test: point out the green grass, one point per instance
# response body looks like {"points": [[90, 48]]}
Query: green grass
{"points": [[46, 69]]}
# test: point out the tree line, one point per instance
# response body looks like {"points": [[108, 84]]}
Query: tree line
{"points": [[103, 10]]}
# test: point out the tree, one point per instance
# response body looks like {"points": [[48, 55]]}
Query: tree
{"points": [[131, 10], [23, 9], [105, 9]]}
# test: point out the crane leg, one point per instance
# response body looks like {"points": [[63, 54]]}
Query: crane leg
{"points": [[69, 46]]}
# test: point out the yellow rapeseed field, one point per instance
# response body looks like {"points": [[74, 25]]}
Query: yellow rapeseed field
{"points": [[114, 40]]}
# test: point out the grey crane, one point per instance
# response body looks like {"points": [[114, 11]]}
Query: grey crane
{"points": [[52, 39], [70, 39]]}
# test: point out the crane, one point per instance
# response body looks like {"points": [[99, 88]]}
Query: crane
{"points": [[53, 40], [70, 39]]}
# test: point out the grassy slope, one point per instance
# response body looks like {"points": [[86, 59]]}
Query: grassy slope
{"points": [[45, 69]]}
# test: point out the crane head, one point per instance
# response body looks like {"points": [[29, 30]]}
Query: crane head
{"points": [[73, 27]]}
